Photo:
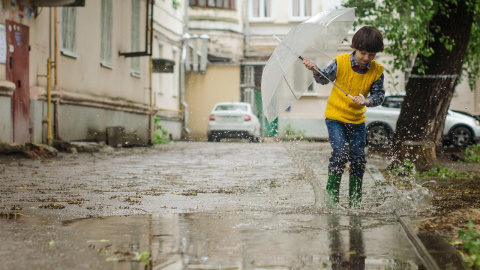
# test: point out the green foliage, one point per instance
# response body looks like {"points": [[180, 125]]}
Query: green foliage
{"points": [[472, 154], [143, 257], [292, 134], [470, 246], [406, 169], [161, 135], [175, 3], [409, 28], [443, 173]]}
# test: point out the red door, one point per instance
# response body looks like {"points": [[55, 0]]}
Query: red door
{"points": [[17, 72]]}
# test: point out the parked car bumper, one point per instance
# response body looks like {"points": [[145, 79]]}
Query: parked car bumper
{"points": [[231, 131]]}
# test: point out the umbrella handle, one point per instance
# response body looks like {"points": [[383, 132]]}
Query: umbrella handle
{"points": [[363, 102]]}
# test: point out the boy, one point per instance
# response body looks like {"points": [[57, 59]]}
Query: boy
{"points": [[357, 73]]}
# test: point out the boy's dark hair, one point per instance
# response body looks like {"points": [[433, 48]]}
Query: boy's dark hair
{"points": [[369, 39]]}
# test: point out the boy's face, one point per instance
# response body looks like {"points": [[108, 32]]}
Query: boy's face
{"points": [[363, 57]]}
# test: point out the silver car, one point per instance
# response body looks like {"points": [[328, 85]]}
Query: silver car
{"points": [[460, 129], [233, 120]]}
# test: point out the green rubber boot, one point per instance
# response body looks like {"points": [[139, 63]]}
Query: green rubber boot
{"points": [[355, 191], [333, 189]]}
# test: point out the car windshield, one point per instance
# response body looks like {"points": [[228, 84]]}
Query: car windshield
{"points": [[232, 107]]}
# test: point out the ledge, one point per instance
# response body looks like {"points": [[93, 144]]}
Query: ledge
{"points": [[7, 88], [70, 98]]}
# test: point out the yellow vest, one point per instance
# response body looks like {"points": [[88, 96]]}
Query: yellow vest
{"points": [[341, 107]]}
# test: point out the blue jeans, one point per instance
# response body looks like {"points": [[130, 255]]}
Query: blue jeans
{"points": [[348, 143]]}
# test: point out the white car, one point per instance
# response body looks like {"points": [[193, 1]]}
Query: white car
{"points": [[233, 120], [460, 129]]}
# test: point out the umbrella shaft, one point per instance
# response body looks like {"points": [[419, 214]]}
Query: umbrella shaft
{"points": [[318, 70]]}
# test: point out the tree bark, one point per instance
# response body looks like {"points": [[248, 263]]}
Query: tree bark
{"points": [[428, 95]]}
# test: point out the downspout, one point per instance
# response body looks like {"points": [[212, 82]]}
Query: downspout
{"points": [[150, 119], [186, 37], [247, 29], [49, 102], [56, 133]]}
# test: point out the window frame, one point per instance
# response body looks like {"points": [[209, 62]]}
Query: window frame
{"points": [[69, 32], [135, 37], [302, 10], [220, 4], [265, 10], [161, 79], [106, 50]]}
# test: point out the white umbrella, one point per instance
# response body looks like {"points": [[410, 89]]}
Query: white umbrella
{"points": [[285, 78]]}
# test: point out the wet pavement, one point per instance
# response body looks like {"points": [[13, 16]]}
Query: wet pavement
{"points": [[198, 205]]}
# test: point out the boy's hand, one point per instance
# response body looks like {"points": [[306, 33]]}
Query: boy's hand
{"points": [[361, 101], [310, 65]]}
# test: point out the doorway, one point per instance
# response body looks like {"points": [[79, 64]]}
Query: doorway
{"points": [[17, 72]]}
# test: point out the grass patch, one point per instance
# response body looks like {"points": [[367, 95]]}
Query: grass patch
{"points": [[472, 154], [470, 247]]}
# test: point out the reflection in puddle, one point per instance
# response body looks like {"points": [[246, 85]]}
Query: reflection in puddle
{"points": [[249, 241]]}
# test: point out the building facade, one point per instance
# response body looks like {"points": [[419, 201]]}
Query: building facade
{"points": [[86, 70], [90, 69]]}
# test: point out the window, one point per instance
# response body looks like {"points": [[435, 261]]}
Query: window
{"points": [[135, 37], [249, 96], [225, 4], [175, 74], [69, 43], [301, 8], [261, 9], [107, 29], [249, 75], [160, 75]]}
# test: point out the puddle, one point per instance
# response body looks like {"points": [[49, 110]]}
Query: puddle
{"points": [[248, 241]]}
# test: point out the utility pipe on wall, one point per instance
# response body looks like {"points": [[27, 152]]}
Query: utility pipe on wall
{"points": [[56, 133], [49, 102], [150, 119], [185, 48]]}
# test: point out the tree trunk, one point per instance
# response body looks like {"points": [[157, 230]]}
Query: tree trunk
{"points": [[428, 96]]}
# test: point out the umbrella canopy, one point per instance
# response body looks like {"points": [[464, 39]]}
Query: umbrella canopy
{"points": [[285, 78]]}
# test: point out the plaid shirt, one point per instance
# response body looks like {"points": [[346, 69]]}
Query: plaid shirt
{"points": [[377, 90]]}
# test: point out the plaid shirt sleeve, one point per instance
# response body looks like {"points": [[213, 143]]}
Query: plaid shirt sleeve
{"points": [[377, 93], [330, 72]]}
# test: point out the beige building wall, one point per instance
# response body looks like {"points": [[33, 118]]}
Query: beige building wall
{"points": [[464, 99], [88, 96], [221, 83], [85, 75]]}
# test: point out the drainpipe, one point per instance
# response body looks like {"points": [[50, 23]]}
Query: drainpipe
{"points": [[49, 102], [186, 37], [247, 29], [56, 133], [150, 119]]}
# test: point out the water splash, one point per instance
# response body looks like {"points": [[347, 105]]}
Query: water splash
{"points": [[398, 194], [302, 164]]}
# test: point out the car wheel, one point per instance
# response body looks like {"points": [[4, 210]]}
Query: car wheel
{"points": [[461, 136], [378, 135]]}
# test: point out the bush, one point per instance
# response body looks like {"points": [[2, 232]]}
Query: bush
{"points": [[472, 154], [471, 246], [292, 134], [161, 135]]}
